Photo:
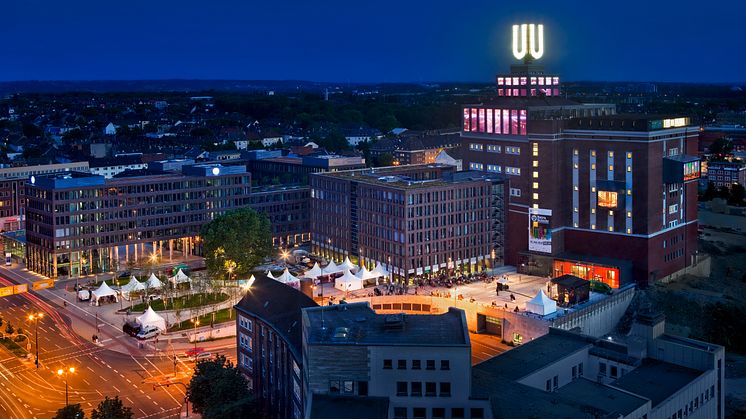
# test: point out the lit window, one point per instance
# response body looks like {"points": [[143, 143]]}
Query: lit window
{"points": [[611, 154], [629, 191], [629, 155], [536, 163], [593, 226], [575, 209], [575, 152], [593, 210], [611, 228], [536, 196], [593, 153], [575, 165], [607, 199], [629, 214], [593, 166], [536, 206], [611, 167], [611, 212], [536, 175], [593, 189], [575, 225], [536, 185], [629, 168], [629, 231]]}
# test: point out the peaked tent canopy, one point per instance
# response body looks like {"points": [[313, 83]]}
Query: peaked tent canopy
{"points": [[348, 282], [331, 268], [133, 286], [314, 272], [379, 270], [269, 274], [103, 291], [541, 304], [288, 279], [502, 280], [151, 318], [347, 264], [153, 282], [364, 274], [180, 278]]}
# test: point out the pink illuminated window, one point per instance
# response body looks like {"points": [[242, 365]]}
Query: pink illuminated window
{"points": [[523, 81], [498, 129], [523, 121], [556, 92], [541, 81], [533, 92], [490, 122], [513, 121], [500, 81], [506, 121], [482, 121], [549, 81], [466, 119], [508, 81], [515, 81], [555, 81], [523, 92], [500, 92], [473, 125], [515, 92], [548, 92], [533, 80]]}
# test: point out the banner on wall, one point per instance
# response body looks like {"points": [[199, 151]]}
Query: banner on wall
{"points": [[539, 231]]}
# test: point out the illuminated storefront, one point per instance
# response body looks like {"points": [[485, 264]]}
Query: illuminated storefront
{"points": [[609, 275]]}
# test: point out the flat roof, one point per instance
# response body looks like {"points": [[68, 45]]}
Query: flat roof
{"points": [[396, 177], [602, 397], [656, 380], [358, 324], [324, 406], [534, 355]]}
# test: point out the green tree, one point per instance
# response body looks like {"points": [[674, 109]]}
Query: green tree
{"points": [[217, 390], [238, 239], [385, 159], [334, 141], [737, 194], [112, 409], [73, 411], [721, 147]]}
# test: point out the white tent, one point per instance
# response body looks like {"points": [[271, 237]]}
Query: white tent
{"points": [[151, 318], [331, 268], [102, 291], [179, 278], [347, 264], [364, 274], [314, 272], [541, 304], [269, 274], [502, 280], [288, 279], [348, 282], [133, 286], [153, 282], [379, 270]]}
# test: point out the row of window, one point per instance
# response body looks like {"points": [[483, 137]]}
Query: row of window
{"points": [[414, 389], [438, 413], [416, 364], [695, 404], [533, 80]]}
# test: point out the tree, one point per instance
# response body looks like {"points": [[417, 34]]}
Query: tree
{"points": [[112, 409], [709, 192], [737, 194], [239, 240], [217, 390], [385, 159], [334, 141], [721, 147], [73, 411]]}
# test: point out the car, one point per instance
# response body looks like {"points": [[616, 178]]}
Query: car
{"points": [[124, 275], [202, 356], [148, 332]]}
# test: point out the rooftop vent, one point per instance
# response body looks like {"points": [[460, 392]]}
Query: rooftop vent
{"points": [[394, 321], [341, 333]]}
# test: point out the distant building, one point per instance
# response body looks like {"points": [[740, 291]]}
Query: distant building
{"points": [[415, 149], [110, 129], [355, 136], [109, 167], [270, 141], [100, 150], [287, 168], [726, 173]]}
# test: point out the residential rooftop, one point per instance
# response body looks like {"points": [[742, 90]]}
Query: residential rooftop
{"points": [[656, 380]]}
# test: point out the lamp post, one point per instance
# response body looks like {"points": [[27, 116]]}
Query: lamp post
{"points": [[391, 272], [64, 372], [35, 318], [196, 323]]}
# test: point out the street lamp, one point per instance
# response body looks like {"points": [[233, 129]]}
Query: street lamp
{"points": [[196, 323], [35, 318], [65, 372]]}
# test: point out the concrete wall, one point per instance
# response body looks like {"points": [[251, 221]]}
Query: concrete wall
{"points": [[324, 363], [600, 318]]}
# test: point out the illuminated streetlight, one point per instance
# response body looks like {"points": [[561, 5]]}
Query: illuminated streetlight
{"points": [[196, 323], [65, 372], [35, 318]]}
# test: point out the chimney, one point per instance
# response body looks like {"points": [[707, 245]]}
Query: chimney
{"points": [[649, 325]]}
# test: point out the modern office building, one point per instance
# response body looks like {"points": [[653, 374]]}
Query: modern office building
{"points": [[416, 219], [269, 166], [12, 179], [287, 208], [724, 174], [269, 350], [605, 197], [647, 374], [79, 223]]}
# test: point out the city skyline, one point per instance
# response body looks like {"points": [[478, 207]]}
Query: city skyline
{"points": [[341, 42]]}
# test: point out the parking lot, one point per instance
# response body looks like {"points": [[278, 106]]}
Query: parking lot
{"points": [[484, 347]]}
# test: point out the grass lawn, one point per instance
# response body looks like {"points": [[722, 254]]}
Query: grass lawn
{"points": [[187, 301], [221, 316], [13, 347]]}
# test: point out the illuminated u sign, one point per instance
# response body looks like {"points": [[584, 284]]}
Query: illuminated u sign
{"points": [[530, 40]]}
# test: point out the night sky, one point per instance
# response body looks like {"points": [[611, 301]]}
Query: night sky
{"points": [[368, 41]]}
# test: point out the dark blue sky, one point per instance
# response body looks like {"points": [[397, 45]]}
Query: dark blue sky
{"points": [[364, 41]]}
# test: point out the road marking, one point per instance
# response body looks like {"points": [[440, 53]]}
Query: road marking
{"points": [[116, 389]]}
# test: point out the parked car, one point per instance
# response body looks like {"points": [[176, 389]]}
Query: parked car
{"points": [[131, 328], [84, 295], [202, 356], [148, 332]]}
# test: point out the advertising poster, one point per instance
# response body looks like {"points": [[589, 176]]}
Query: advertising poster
{"points": [[539, 232]]}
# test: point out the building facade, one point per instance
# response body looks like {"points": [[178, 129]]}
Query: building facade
{"points": [[416, 220], [287, 208], [726, 174], [80, 223]]}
